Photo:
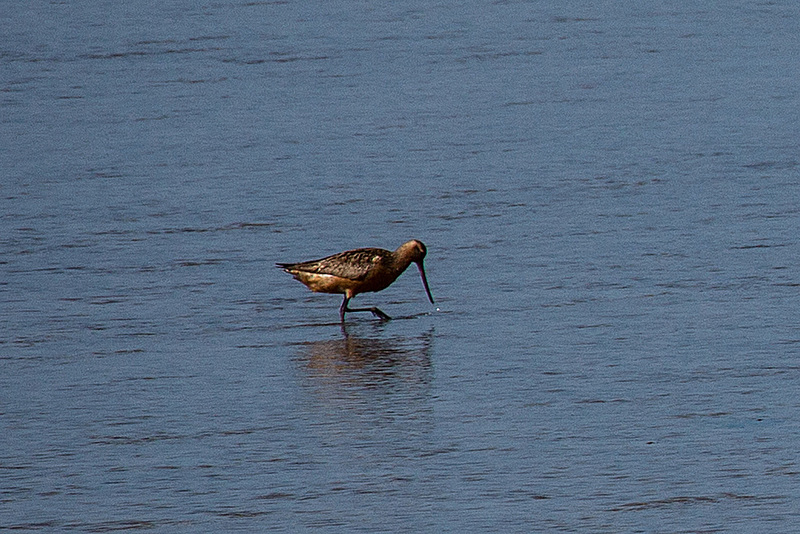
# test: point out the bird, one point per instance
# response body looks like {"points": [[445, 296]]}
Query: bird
{"points": [[360, 270]]}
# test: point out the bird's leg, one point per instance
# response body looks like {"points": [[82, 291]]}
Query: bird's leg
{"points": [[375, 311]]}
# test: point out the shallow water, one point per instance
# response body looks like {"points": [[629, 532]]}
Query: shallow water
{"points": [[609, 196]]}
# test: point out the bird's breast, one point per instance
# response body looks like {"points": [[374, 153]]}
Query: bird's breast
{"points": [[324, 283]]}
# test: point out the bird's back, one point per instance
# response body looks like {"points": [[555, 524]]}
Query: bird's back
{"points": [[352, 264]]}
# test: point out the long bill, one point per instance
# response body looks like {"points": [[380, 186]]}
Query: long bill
{"points": [[425, 281]]}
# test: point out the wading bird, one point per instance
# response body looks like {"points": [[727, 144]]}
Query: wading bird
{"points": [[359, 271]]}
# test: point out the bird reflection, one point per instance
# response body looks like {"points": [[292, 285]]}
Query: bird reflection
{"points": [[353, 364], [369, 400]]}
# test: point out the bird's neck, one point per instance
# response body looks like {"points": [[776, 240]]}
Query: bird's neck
{"points": [[401, 258]]}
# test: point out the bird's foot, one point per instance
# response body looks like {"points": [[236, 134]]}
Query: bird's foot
{"points": [[378, 313]]}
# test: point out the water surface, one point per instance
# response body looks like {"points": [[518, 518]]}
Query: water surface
{"points": [[609, 196]]}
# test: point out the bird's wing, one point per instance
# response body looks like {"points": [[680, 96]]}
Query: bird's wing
{"points": [[353, 264]]}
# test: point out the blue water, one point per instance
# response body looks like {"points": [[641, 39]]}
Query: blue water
{"points": [[609, 194]]}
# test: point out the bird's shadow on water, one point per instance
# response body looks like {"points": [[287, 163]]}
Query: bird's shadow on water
{"points": [[354, 322], [365, 358], [367, 389]]}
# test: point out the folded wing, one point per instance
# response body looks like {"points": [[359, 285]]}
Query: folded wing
{"points": [[352, 264]]}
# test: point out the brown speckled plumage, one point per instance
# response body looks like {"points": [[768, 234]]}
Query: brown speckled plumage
{"points": [[352, 264], [359, 271]]}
